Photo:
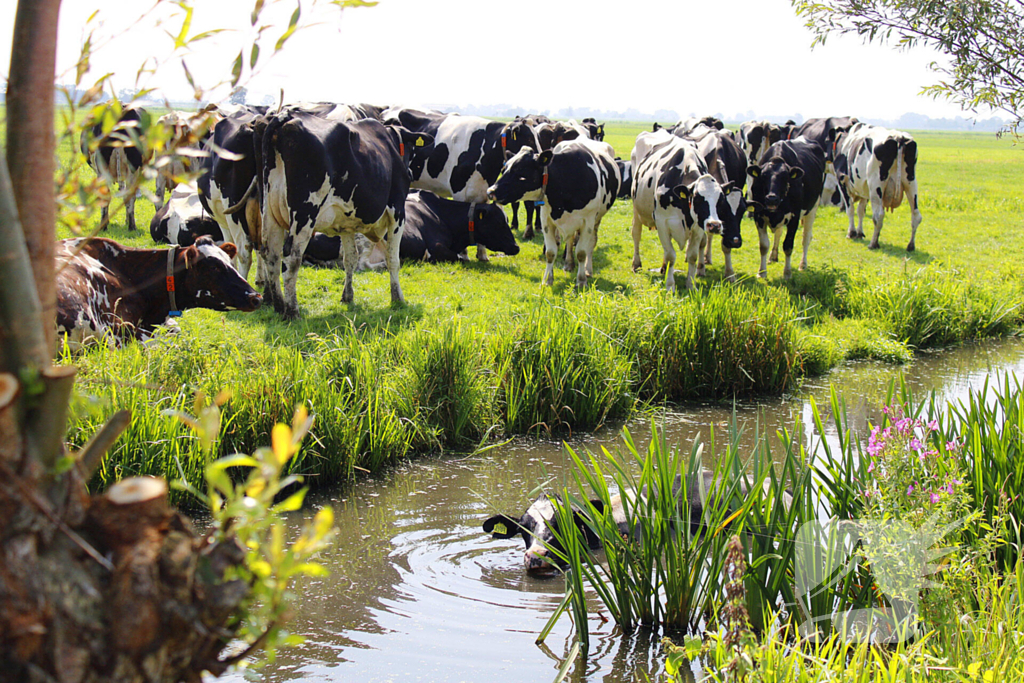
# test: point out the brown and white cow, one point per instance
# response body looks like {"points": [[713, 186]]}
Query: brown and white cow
{"points": [[106, 288]]}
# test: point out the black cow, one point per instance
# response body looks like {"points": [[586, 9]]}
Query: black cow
{"points": [[438, 230], [468, 152], [728, 165], [577, 181], [787, 184], [336, 178], [183, 219], [117, 158], [104, 287]]}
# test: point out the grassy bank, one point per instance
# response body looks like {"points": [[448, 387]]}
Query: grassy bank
{"points": [[898, 558], [484, 349]]}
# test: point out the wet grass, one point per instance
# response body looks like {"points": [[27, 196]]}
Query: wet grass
{"points": [[483, 349]]}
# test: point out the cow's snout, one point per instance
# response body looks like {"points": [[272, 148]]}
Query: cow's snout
{"points": [[255, 300], [771, 202], [538, 564], [714, 227], [737, 242], [490, 194]]}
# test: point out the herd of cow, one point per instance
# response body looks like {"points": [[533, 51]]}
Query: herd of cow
{"points": [[305, 181]]}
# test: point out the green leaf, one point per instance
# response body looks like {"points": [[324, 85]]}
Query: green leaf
{"points": [[292, 502], [254, 17], [312, 569], [182, 38], [236, 70], [293, 24], [254, 55]]}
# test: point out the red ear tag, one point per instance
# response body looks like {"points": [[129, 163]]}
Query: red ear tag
{"points": [[472, 224], [401, 149], [544, 179], [170, 283], [503, 142]]}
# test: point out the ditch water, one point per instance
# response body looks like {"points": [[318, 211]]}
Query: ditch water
{"points": [[418, 592]]}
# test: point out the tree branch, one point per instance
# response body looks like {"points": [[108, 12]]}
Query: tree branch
{"points": [[30, 143]]}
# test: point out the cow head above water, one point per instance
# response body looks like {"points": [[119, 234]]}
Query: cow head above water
{"points": [[772, 182], [538, 527], [522, 177], [205, 278]]}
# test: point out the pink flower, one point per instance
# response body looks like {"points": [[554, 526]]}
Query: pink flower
{"points": [[871, 466], [934, 497], [915, 444], [910, 489], [933, 425]]}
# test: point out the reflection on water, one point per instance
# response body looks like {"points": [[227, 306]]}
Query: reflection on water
{"points": [[419, 593]]}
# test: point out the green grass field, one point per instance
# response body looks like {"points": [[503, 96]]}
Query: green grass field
{"points": [[546, 358]]}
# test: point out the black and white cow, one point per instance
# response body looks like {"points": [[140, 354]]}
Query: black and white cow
{"points": [[683, 127], [468, 152], [728, 165], [786, 187], [539, 526], [577, 181], [549, 133], [879, 165], [184, 149], [824, 132], [104, 287], [626, 174], [595, 130], [438, 230], [117, 157], [674, 194], [228, 185], [338, 179], [183, 219]]}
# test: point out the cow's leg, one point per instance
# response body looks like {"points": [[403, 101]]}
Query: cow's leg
{"points": [[391, 256], [862, 207], [707, 253], [776, 237], [585, 242], [877, 216], [638, 231], [569, 257], [730, 274], [350, 255], [531, 213], [515, 216], [851, 232], [702, 249], [787, 244], [910, 187], [105, 215], [481, 253], [550, 251], [129, 208], [764, 243], [665, 232], [808, 223], [161, 186], [694, 242], [271, 254], [291, 258]]}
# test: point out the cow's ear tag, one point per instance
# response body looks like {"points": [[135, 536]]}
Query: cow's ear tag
{"points": [[419, 142], [513, 135], [499, 528]]}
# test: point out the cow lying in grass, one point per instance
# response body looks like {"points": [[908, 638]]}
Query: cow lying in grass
{"points": [[106, 288]]}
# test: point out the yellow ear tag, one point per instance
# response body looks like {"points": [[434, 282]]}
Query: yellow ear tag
{"points": [[419, 142], [513, 135], [499, 528]]}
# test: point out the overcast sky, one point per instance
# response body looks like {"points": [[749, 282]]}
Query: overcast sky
{"points": [[691, 56]]}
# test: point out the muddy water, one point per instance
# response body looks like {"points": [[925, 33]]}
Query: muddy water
{"points": [[419, 593]]}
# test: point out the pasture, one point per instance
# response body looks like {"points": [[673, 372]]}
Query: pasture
{"points": [[482, 349]]}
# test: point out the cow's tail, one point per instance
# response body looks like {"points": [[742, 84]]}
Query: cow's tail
{"points": [[266, 150]]}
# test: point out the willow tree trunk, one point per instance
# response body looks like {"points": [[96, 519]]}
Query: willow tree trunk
{"points": [[115, 588]]}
